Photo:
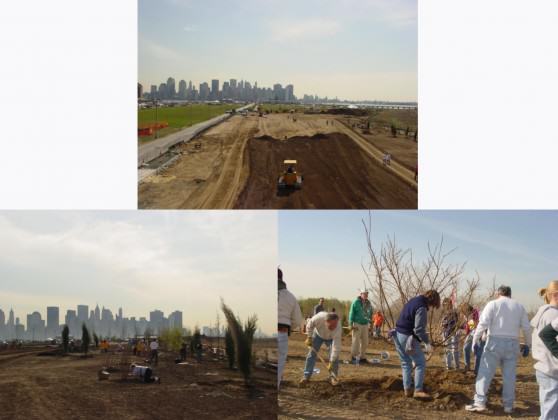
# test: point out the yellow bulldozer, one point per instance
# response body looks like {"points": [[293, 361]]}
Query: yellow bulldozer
{"points": [[290, 179]]}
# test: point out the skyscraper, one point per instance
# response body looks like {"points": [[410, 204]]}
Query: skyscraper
{"points": [[182, 89], [289, 93], [53, 321], [156, 319], [171, 89], [215, 89], [140, 90], [153, 92], [175, 320], [82, 312]]}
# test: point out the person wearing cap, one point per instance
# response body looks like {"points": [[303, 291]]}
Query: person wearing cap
{"points": [[323, 328], [502, 318], [410, 333], [359, 320], [545, 351], [288, 316]]}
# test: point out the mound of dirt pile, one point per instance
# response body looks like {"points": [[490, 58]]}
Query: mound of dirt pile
{"points": [[337, 174]]}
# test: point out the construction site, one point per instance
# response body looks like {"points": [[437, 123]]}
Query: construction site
{"points": [[339, 158], [375, 391], [40, 381]]}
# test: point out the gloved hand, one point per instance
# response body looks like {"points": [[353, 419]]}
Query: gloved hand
{"points": [[308, 342], [428, 348], [329, 366], [525, 351]]}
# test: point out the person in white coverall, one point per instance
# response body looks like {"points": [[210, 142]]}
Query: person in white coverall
{"points": [[289, 316], [503, 318]]}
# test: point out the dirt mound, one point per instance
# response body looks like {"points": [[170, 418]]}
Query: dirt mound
{"points": [[337, 174], [348, 111]]}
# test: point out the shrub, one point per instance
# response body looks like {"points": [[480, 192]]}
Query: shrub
{"points": [[243, 336], [85, 339], [229, 348], [65, 338]]}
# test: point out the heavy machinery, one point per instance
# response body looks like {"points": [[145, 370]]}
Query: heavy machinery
{"points": [[290, 179]]}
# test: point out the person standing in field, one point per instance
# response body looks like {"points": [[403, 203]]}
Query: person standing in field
{"points": [[154, 347], [546, 366], [323, 328], [378, 322], [288, 316], [360, 315], [450, 334], [410, 333], [502, 318], [471, 316], [319, 307]]}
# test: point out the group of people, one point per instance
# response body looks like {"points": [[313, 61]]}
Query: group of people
{"points": [[145, 347], [492, 336]]}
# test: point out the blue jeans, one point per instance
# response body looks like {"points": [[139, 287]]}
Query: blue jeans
{"points": [[407, 362], [478, 356], [468, 349], [317, 342], [452, 351], [498, 352], [282, 349], [548, 396]]}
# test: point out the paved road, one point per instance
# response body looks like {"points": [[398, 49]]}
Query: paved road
{"points": [[153, 149]]}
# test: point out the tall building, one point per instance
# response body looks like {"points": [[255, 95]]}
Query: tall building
{"points": [[289, 93], [71, 321], [182, 89], [35, 327], [157, 320], [175, 320], [215, 89], [140, 90], [153, 92], [204, 91], [53, 321], [162, 91], [171, 90], [82, 312]]}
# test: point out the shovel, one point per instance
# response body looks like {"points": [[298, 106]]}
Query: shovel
{"points": [[334, 378]]}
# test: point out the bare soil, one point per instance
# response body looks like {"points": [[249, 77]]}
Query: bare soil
{"points": [[376, 391], [41, 387], [336, 175], [236, 165]]}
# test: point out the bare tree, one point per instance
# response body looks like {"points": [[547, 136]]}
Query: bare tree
{"points": [[394, 276]]}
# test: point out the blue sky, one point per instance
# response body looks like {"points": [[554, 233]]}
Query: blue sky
{"points": [[353, 49], [142, 261], [321, 251]]}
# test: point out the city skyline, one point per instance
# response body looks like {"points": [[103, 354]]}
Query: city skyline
{"points": [[140, 261], [230, 89], [357, 50]]}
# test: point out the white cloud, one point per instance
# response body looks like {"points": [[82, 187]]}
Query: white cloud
{"points": [[190, 28]]}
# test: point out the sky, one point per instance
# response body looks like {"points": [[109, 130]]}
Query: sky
{"points": [[140, 261], [352, 49], [321, 252]]}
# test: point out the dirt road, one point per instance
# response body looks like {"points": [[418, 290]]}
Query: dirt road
{"points": [[376, 391], [210, 174], [47, 387], [236, 165]]}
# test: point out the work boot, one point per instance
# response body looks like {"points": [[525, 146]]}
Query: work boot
{"points": [[508, 410], [333, 381], [303, 382], [420, 394], [364, 361], [408, 393]]}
